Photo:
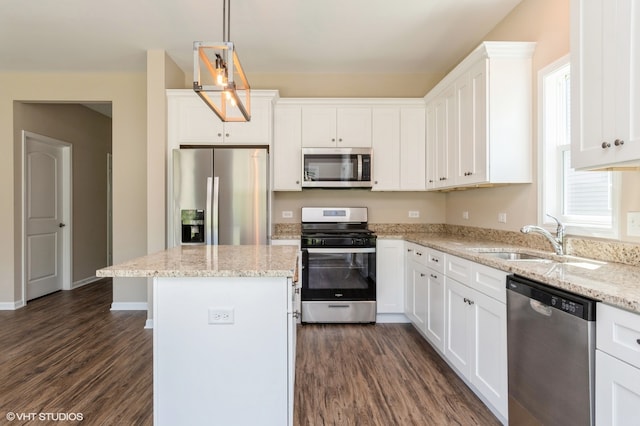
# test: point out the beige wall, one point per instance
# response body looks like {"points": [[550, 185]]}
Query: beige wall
{"points": [[90, 135], [384, 207], [127, 92]]}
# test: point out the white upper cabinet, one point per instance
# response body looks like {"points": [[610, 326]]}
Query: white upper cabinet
{"points": [[191, 122], [332, 126], [605, 84], [480, 118], [412, 149], [386, 148], [398, 142], [287, 148]]}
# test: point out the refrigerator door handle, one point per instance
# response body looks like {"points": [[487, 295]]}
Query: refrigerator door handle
{"points": [[207, 217], [215, 211]]}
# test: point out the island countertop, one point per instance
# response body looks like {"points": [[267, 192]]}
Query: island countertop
{"points": [[210, 261]]}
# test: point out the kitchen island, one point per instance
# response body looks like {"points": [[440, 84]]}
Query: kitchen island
{"points": [[224, 332]]}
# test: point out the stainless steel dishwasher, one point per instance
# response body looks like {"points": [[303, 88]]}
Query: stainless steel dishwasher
{"points": [[551, 354]]}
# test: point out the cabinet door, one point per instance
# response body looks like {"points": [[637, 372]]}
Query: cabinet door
{"points": [[605, 71], [386, 149], [409, 282], [434, 327], [488, 345], [412, 154], [287, 150], [192, 122], [458, 326], [390, 276], [353, 127], [445, 133], [420, 296], [470, 148], [617, 391], [254, 132], [318, 126], [431, 160]]}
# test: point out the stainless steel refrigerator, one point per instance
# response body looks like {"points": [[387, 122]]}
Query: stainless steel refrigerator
{"points": [[220, 196]]}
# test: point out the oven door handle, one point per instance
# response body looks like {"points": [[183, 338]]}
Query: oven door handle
{"points": [[342, 250]]}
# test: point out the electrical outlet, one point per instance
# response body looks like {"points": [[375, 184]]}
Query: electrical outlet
{"points": [[633, 224], [502, 217], [287, 214], [414, 213], [220, 315], [465, 215]]}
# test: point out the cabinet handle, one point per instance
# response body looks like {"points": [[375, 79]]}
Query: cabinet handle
{"points": [[375, 182], [421, 274], [606, 145], [333, 139], [418, 253], [219, 134], [638, 341], [226, 135], [435, 277], [430, 180], [468, 173], [433, 259], [468, 301], [618, 142], [297, 182], [409, 250]]}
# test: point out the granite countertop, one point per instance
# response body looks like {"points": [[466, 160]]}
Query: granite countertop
{"points": [[613, 283], [211, 261]]}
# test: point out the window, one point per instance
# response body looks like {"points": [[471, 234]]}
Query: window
{"points": [[582, 200]]}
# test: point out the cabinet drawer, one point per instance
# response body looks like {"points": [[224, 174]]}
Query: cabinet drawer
{"points": [[435, 260], [490, 281], [459, 269], [618, 333]]}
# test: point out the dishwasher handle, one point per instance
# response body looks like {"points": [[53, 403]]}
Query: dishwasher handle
{"points": [[573, 304]]}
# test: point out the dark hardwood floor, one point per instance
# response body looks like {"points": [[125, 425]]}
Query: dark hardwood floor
{"points": [[67, 353]]}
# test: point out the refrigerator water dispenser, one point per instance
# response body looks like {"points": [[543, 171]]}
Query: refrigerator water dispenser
{"points": [[192, 226]]}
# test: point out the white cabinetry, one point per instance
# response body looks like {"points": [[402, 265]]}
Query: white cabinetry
{"points": [[605, 83], [399, 148], [424, 292], [386, 148], [617, 366], [389, 276], [481, 119], [191, 122], [287, 148], [237, 372], [331, 126], [476, 329]]}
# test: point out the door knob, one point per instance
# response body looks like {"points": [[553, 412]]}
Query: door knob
{"points": [[61, 225]]}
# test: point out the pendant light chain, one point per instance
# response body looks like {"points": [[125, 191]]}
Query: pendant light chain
{"points": [[226, 20]]}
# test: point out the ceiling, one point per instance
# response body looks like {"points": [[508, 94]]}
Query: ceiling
{"points": [[275, 36]]}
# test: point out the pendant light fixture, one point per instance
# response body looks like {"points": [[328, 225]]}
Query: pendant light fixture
{"points": [[218, 77]]}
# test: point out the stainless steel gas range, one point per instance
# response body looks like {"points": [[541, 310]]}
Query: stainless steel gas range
{"points": [[338, 266]]}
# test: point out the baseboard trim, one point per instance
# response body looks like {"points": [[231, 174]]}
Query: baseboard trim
{"points": [[11, 306], [149, 323], [391, 318], [129, 306], [85, 281]]}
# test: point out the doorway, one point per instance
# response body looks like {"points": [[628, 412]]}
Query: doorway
{"points": [[46, 195]]}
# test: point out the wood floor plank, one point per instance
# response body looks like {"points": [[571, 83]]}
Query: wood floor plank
{"points": [[383, 374], [68, 353]]}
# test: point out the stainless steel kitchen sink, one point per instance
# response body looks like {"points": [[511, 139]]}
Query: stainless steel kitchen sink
{"points": [[512, 255]]}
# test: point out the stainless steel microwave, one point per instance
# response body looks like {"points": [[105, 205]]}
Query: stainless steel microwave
{"points": [[336, 167]]}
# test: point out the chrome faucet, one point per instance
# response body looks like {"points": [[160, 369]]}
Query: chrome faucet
{"points": [[557, 241]]}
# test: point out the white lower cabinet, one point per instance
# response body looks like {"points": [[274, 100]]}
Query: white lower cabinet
{"points": [[389, 276], [466, 322], [476, 341], [617, 366]]}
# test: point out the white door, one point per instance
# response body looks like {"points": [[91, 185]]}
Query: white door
{"points": [[44, 217]]}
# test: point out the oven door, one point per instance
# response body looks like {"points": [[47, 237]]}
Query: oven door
{"points": [[331, 274]]}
